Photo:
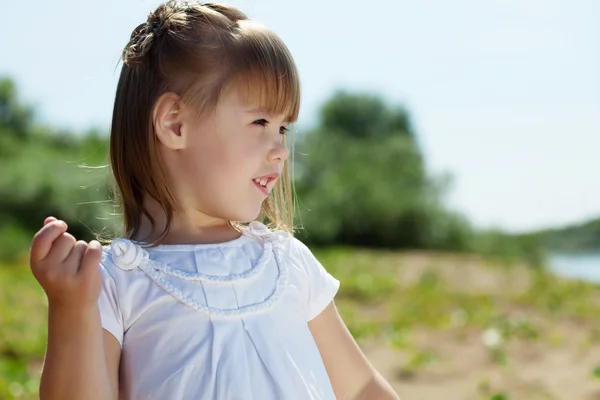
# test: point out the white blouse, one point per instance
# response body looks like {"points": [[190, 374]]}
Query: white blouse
{"points": [[225, 321]]}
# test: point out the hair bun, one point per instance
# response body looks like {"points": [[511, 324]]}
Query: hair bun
{"points": [[142, 38], [156, 24], [173, 15]]}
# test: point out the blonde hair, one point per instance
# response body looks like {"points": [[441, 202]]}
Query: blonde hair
{"points": [[197, 51]]}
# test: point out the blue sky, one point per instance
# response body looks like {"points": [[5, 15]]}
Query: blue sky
{"points": [[504, 94]]}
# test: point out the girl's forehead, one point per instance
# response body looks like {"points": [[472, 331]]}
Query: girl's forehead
{"points": [[260, 97], [233, 98], [242, 105]]}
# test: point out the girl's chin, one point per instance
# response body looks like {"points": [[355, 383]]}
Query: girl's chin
{"points": [[249, 216]]}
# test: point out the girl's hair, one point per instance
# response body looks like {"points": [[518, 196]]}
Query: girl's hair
{"points": [[198, 51]]}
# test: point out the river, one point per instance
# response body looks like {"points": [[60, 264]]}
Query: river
{"points": [[585, 266]]}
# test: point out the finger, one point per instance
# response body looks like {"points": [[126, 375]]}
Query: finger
{"points": [[91, 259], [48, 220], [44, 239], [77, 253], [62, 247]]}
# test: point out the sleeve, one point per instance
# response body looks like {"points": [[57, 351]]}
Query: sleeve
{"points": [[321, 287], [108, 303]]}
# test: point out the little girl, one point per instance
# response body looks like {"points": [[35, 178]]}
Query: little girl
{"points": [[199, 299]]}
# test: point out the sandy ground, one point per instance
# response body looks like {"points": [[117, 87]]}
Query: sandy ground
{"points": [[464, 367]]}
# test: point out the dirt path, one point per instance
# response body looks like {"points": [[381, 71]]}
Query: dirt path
{"points": [[465, 370], [560, 366]]}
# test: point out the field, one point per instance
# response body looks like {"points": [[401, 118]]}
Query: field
{"points": [[436, 325]]}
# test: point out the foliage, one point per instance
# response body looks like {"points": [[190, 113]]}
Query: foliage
{"points": [[45, 172], [362, 180], [583, 237]]}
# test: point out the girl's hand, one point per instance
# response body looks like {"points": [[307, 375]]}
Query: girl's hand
{"points": [[66, 269]]}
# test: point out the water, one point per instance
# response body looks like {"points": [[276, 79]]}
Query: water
{"points": [[585, 266]]}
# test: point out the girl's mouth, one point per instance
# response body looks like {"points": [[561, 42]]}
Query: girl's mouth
{"points": [[261, 187], [262, 182]]}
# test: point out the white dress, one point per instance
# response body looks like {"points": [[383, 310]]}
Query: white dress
{"points": [[224, 321]]}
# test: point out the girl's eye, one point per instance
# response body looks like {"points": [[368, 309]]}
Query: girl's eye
{"points": [[263, 122]]}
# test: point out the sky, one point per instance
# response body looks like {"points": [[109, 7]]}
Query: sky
{"points": [[504, 94]]}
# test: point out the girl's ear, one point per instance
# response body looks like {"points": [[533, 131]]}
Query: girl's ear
{"points": [[167, 118]]}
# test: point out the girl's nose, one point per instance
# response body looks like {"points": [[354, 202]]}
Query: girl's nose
{"points": [[279, 152]]}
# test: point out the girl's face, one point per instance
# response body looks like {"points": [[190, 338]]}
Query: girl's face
{"points": [[216, 170]]}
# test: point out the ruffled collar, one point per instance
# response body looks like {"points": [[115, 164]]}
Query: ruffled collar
{"points": [[259, 230], [129, 256]]}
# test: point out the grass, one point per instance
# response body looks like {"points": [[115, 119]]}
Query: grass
{"points": [[371, 279], [377, 300], [524, 305], [23, 334]]}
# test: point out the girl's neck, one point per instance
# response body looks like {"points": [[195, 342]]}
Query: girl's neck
{"points": [[186, 228]]}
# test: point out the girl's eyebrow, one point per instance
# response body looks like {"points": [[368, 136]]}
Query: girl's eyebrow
{"points": [[262, 111]]}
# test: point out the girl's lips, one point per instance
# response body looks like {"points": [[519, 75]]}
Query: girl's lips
{"points": [[261, 188], [268, 178]]}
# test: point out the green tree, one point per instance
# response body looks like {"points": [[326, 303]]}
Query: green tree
{"points": [[43, 174], [15, 118], [362, 180]]}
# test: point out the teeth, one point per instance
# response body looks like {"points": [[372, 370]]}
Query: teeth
{"points": [[262, 182]]}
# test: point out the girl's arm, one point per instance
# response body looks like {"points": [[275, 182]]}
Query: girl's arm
{"points": [[82, 360], [351, 374]]}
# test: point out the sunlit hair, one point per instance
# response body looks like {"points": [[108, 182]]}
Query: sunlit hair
{"points": [[200, 51]]}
